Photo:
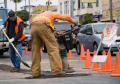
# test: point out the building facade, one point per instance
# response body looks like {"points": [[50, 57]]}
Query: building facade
{"points": [[115, 10], [80, 7], [28, 8], [64, 7]]}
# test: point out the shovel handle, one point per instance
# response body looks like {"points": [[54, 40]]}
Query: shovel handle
{"points": [[15, 49], [11, 43]]}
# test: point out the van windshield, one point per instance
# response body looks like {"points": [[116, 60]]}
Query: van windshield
{"points": [[98, 28], [3, 15]]}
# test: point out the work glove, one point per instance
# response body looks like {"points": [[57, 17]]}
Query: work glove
{"points": [[1, 27], [11, 40]]}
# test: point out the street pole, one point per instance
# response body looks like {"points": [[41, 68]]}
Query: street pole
{"points": [[25, 4], [5, 3], [29, 6], [48, 4], [110, 7], [71, 4]]}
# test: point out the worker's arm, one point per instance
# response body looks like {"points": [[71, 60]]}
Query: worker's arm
{"points": [[63, 17]]}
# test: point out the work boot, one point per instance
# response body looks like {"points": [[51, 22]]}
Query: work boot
{"points": [[33, 77], [15, 70], [69, 70], [61, 73]]}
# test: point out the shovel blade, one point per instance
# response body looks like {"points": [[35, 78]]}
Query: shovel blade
{"points": [[99, 58]]}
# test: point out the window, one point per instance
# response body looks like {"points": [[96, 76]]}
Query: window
{"points": [[66, 5], [90, 5], [89, 29], [61, 8], [82, 5], [97, 3], [73, 5]]}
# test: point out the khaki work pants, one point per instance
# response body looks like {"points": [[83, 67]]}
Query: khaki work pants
{"points": [[42, 33]]}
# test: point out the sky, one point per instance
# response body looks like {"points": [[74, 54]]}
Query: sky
{"points": [[11, 5]]}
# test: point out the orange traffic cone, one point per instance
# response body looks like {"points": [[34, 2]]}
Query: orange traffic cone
{"points": [[107, 66], [82, 54], [116, 70], [26, 51], [88, 60], [96, 66], [69, 55]]}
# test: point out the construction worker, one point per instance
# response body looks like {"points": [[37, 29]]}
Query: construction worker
{"points": [[42, 31], [14, 30]]}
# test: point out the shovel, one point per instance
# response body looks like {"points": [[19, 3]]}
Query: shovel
{"points": [[24, 63]]}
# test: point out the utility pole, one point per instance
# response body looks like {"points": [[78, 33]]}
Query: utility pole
{"points": [[48, 4], [29, 6], [71, 6], [5, 3], [25, 4], [110, 8]]}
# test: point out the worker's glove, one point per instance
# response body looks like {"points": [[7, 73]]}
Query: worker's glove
{"points": [[1, 27], [11, 40]]}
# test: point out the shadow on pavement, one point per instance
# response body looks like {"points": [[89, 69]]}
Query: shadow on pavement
{"points": [[7, 68], [47, 74]]}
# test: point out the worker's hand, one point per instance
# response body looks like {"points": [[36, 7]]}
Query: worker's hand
{"points": [[11, 40], [1, 27]]}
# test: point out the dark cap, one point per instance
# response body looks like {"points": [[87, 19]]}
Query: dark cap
{"points": [[11, 13]]}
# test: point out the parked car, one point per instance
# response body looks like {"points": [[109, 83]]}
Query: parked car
{"points": [[67, 38], [90, 36], [3, 41]]}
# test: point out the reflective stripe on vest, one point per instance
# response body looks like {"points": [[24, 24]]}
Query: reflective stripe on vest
{"points": [[16, 29], [44, 18]]}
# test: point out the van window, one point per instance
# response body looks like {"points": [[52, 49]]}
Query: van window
{"points": [[98, 28], [3, 15]]}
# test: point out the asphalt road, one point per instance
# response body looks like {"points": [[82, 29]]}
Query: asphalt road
{"points": [[81, 76]]}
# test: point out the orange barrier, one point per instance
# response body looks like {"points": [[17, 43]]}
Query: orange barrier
{"points": [[82, 53], [88, 60], [69, 55], [116, 70]]}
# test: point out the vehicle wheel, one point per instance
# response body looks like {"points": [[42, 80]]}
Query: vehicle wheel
{"points": [[78, 48]]}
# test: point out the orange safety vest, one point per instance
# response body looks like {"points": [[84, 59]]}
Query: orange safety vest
{"points": [[43, 19], [19, 20], [49, 18]]}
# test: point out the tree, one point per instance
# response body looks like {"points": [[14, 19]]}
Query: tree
{"points": [[23, 14], [87, 18], [16, 1]]}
